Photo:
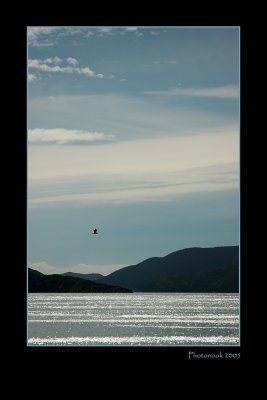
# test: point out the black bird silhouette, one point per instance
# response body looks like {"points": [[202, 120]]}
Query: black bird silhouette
{"points": [[94, 232]]}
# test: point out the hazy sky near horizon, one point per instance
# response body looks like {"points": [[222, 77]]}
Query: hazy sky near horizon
{"points": [[134, 131]]}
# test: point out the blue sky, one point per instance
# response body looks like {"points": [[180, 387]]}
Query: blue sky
{"points": [[135, 131]]}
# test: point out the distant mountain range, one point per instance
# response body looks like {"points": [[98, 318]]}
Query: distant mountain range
{"points": [[40, 283], [197, 270], [90, 277], [190, 270]]}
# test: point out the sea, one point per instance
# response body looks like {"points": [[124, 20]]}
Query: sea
{"points": [[133, 319]]}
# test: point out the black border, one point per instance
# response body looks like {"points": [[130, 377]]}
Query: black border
{"points": [[19, 145]]}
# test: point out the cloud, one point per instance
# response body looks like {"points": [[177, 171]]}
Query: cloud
{"points": [[50, 36], [154, 33], [44, 36], [131, 29], [82, 268], [105, 30], [46, 67], [126, 116], [129, 120], [86, 71], [34, 32], [53, 60], [223, 92], [51, 65], [72, 61], [141, 156], [139, 34], [138, 171], [136, 30], [157, 192], [66, 136], [32, 78], [134, 188], [41, 36]]}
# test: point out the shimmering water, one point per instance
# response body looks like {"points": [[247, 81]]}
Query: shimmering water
{"points": [[138, 319]]}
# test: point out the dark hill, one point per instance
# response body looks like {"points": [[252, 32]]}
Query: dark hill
{"points": [[225, 280], [182, 262], [90, 277], [40, 283]]}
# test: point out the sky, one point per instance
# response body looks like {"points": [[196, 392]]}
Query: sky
{"points": [[133, 131]]}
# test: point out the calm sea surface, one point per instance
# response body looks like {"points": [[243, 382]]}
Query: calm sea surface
{"points": [[138, 319]]}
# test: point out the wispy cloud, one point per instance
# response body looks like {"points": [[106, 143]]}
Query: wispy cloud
{"points": [[32, 78], [51, 65], [131, 29], [105, 30], [223, 92], [46, 36], [131, 172], [35, 31], [44, 33], [138, 32], [127, 117], [66, 136], [134, 188]]}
